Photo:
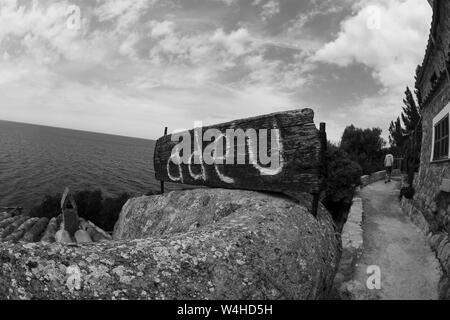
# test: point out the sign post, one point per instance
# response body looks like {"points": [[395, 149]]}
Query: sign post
{"points": [[280, 152]]}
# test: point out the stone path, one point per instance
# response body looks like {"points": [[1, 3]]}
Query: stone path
{"points": [[409, 269]]}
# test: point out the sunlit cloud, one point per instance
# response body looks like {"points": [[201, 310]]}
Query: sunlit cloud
{"points": [[133, 67]]}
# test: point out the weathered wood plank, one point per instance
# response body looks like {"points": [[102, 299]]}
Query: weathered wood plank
{"points": [[293, 154]]}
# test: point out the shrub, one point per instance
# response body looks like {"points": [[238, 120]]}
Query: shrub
{"points": [[343, 176], [365, 146], [407, 192], [91, 206], [50, 207], [110, 211]]}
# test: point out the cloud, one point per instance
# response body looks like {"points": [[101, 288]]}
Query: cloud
{"points": [[228, 2], [129, 76], [41, 32], [390, 38], [35, 94], [163, 28], [270, 9], [135, 64], [237, 42], [127, 47], [384, 38], [123, 12]]}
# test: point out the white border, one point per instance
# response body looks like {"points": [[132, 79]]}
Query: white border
{"points": [[441, 115]]}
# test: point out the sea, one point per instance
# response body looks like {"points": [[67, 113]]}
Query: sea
{"points": [[37, 160]]}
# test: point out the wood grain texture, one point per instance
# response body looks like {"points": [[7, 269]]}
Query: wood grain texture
{"points": [[301, 157]]}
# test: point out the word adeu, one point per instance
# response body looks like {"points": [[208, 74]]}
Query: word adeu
{"points": [[279, 152]]}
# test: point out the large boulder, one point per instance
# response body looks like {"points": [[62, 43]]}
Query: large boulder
{"points": [[197, 244]]}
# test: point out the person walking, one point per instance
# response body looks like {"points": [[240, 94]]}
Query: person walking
{"points": [[388, 163]]}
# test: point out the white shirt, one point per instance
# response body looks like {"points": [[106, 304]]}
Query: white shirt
{"points": [[389, 160]]}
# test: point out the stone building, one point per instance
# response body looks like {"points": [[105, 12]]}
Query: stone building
{"points": [[430, 208], [433, 83]]}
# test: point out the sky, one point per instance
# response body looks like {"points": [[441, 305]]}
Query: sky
{"points": [[132, 67]]}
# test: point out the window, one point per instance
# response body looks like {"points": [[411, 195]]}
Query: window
{"points": [[441, 139]]}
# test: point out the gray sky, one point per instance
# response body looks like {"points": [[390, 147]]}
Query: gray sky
{"points": [[135, 66]]}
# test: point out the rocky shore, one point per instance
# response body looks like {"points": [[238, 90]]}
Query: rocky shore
{"points": [[196, 244]]}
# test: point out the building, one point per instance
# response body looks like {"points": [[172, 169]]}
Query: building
{"points": [[430, 207], [432, 184]]}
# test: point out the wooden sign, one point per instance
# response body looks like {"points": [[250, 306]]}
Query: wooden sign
{"points": [[280, 152]]}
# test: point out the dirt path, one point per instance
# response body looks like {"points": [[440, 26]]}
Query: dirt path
{"points": [[409, 269]]}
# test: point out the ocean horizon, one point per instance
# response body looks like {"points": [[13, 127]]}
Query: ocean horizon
{"points": [[38, 160]]}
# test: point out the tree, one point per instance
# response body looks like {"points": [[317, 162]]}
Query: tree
{"points": [[410, 114], [396, 134], [343, 175], [406, 140], [365, 147]]}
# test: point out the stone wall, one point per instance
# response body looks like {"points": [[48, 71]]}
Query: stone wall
{"points": [[434, 88], [438, 240], [428, 182], [352, 245], [429, 221], [374, 177], [430, 207]]}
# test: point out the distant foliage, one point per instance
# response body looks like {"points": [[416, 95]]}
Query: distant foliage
{"points": [[110, 211], [50, 207], [397, 136], [364, 146], [343, 175], [91, 206]]}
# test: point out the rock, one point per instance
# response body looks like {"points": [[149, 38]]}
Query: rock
{"points": [[244, 245], [442, 214], [34, 229], [434, 207], [435, 240], [50, 231], [6, 222], [82, 236], [445, 254], [62, 236], [21, 230], [94, 232], [441, 245], [354, 290], [33, 235], [13, 227], [5, 215], [444, 288]]}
